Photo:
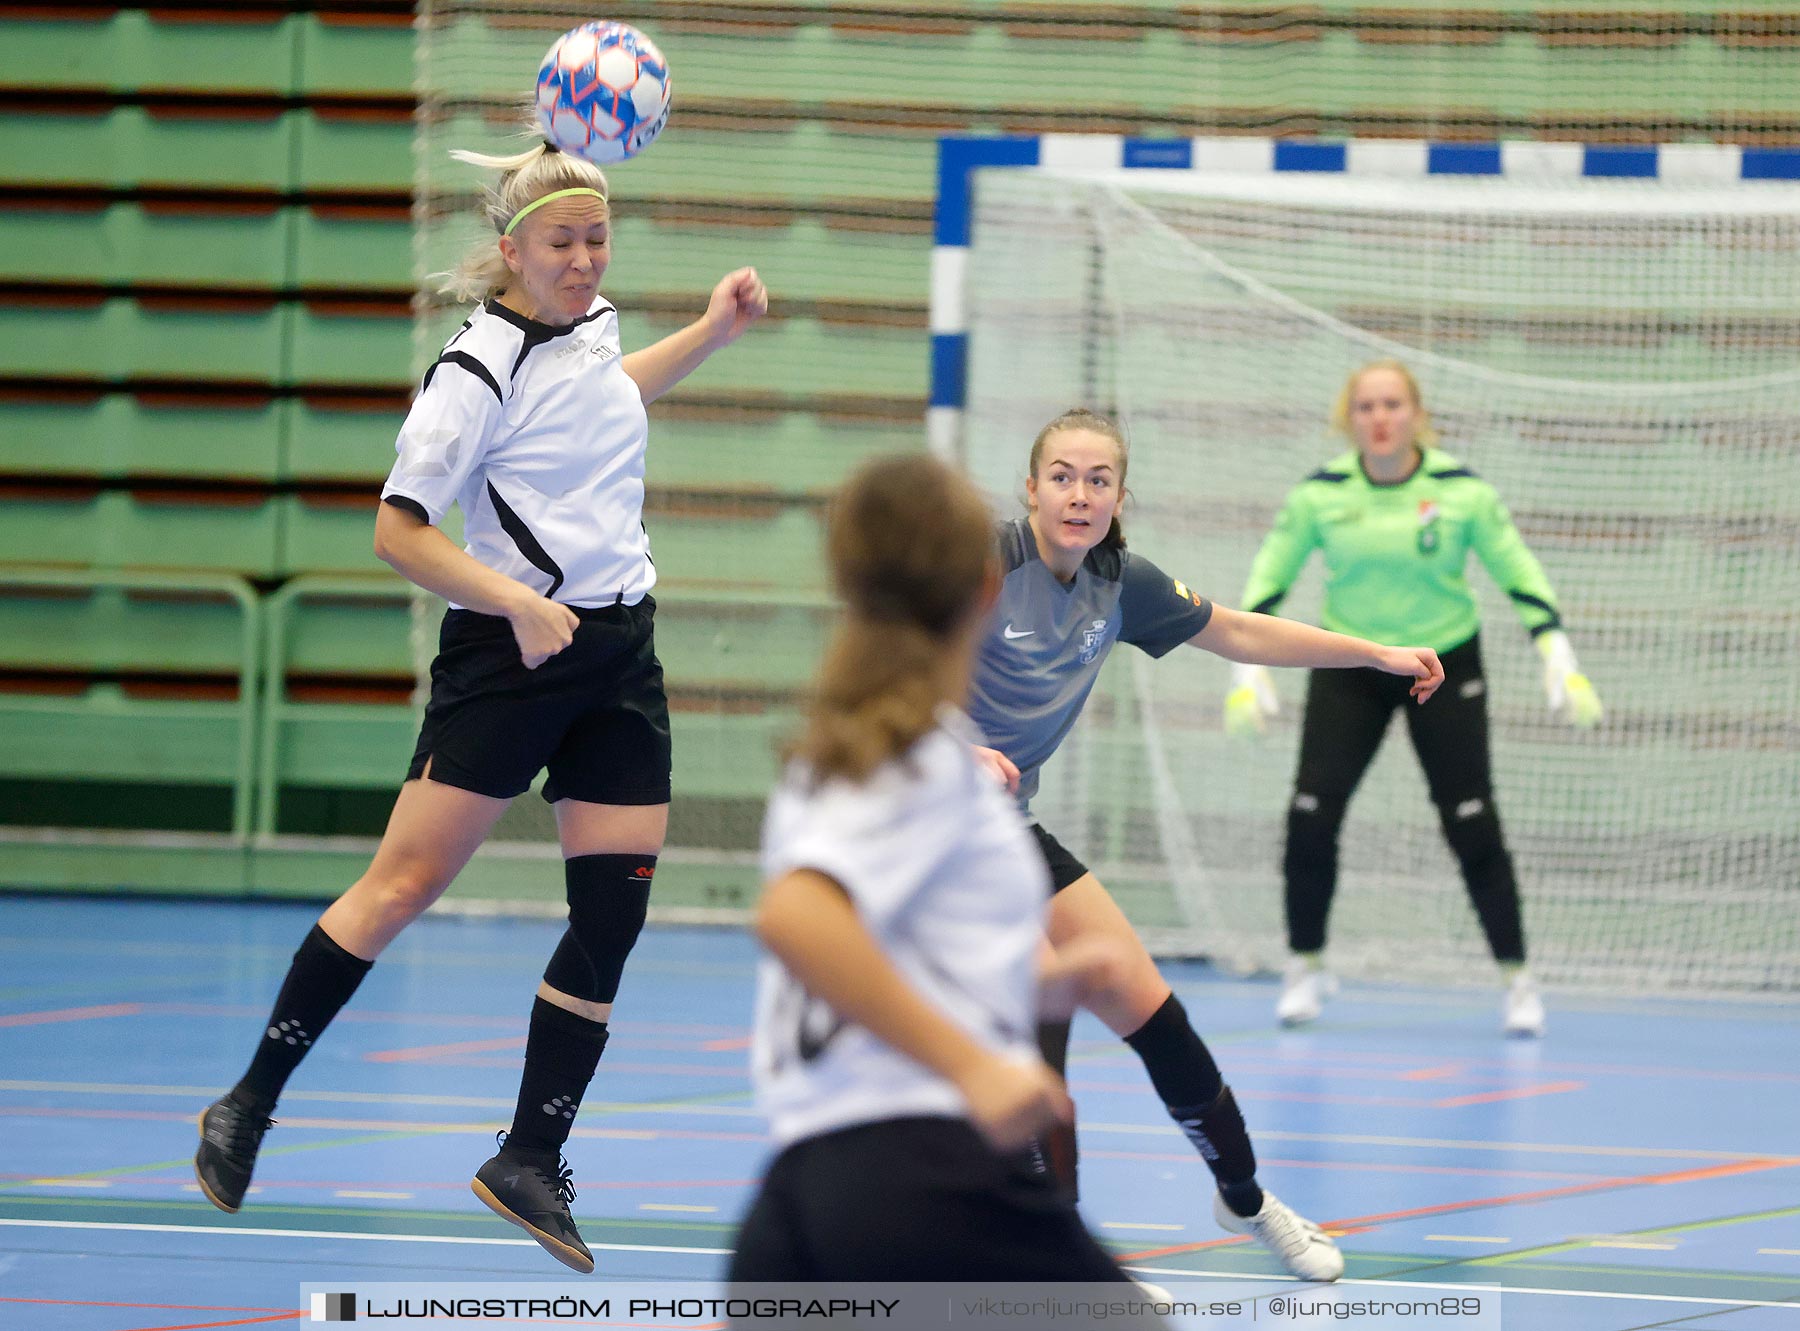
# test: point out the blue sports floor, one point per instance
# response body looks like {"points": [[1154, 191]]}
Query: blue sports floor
{"points": [[1638, 1168]]}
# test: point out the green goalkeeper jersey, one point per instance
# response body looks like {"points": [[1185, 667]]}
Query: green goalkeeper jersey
{"points": [[1395, 554]]}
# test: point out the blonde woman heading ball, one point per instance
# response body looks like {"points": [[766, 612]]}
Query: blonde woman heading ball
{"points": [[531, 421]]}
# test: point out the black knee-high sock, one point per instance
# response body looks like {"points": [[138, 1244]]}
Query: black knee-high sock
{"points": [[319, 982], [561, 1053], [1057, 1151], [1182, 1069]]}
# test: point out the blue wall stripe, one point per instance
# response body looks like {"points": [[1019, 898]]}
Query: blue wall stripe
{"points": [[1463, 159], [1619, 162], [949, 369], [1292, 156], [1771, 164], [957, 157], [1175, 153]]}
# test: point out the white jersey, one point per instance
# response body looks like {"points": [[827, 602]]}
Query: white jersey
{"points": [[538, 434], [943, 873]]}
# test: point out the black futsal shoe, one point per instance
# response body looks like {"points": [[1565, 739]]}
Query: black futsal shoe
{"points": [[230, 1136], [533, 1190]]}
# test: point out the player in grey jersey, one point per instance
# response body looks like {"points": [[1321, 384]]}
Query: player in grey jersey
{"points": [[1070, 591], [903, 912]]}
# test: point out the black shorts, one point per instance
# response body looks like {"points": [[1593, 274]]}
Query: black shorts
{"points": [[911, 1199], [1064, 867], [595, 714]]}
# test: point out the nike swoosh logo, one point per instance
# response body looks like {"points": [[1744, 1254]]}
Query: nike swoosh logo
{"points": [[1008, 633]]}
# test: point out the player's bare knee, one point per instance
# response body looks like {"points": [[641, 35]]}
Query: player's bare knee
{"points": [[402, 894]]}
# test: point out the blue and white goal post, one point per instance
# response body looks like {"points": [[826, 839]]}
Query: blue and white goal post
{"points": [[961, 156]]}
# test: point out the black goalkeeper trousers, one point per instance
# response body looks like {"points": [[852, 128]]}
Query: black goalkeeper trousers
{"points": [[1347, 713]]}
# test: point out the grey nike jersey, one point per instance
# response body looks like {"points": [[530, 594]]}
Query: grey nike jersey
{"points": [[1046, 642]]}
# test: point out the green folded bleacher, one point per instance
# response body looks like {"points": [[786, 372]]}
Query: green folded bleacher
{"points": [[127, 680], [207, 261], [119, 435]]}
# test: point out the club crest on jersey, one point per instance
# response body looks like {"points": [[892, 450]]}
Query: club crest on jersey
{"points": [[1428, 526], [1091, 640]]}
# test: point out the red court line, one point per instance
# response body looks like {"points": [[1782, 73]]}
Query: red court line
{"points": [[1546, 1194], [722, 1046], [423, 1051], [1515, 1093], [72, 1014]]}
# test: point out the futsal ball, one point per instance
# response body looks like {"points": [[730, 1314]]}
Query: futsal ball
{"points": [[603, 92]]}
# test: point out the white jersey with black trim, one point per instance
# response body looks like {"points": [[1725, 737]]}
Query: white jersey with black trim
{"points": [[942, 872], [538, 435]]}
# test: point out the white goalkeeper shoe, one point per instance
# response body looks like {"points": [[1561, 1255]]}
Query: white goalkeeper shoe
{"points": [[1303, 1249], [1304, 989], [1522, 1012]]}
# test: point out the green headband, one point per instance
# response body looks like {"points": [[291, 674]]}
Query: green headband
{"points": [[554, 194]]}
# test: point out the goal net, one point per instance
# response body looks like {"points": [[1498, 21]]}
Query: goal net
{"points": [[1620, 359]]}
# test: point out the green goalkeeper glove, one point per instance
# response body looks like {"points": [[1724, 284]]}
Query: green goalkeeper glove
{"points": [[1572, 697], [1251, 701]]}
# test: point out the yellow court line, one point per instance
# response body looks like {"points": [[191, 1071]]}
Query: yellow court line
{"points": [[1632, 1245], [355, 1236], [1778, 1252], [1507, 1291], [676, 1206]]}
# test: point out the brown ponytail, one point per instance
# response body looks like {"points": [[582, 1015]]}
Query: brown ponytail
{"points": [[910, 546]]}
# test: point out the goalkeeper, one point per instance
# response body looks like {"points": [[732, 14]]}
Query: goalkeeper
{"points": [[1396, 520]]}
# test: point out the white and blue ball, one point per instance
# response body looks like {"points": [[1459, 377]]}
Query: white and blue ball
{"points": [[603, 92]]}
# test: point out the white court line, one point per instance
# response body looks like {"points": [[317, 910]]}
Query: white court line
{"points": [[744, 1111], [1502, 1290], [1413, 1143], [1240, 1276], [334, 1234], [1467, 1238], [372, 1098]]}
